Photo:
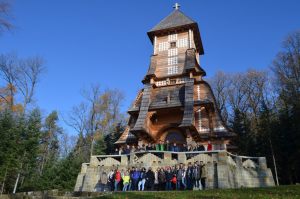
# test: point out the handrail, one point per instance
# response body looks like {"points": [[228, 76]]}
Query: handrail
{"points": [[154, 151], [240, 156]]}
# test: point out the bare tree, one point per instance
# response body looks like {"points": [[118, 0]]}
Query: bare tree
{"points": [[20, 77], [93, 117], [286, 67], [237, 95], [4, 16], [28, 74], [8, 71], [220, 84]]}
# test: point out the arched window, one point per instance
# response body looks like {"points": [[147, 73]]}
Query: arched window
{"points": [[175, 136]]}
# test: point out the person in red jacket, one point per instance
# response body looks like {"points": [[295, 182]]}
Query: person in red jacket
{"points": [[117, 179], [209, 146], [174, 181]]}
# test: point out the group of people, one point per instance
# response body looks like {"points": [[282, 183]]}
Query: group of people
{"points": [[179, 177], [161, 146]]}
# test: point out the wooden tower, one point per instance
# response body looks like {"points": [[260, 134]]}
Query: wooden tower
{"points": [[176, 104]]}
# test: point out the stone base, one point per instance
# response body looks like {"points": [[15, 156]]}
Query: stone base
{"points": [[224, 170]]}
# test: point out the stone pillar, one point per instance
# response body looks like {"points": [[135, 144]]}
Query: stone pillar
{"points": [[222, 170], [124, 160], [182, 158], [167, 158], [239, 172], [262, 163], [131, 159], [94, 161]]}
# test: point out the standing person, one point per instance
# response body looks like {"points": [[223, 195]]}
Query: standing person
{"points": [[175, 147], [201, 147], [142, 180], [161, 179], [117, 179], [116, 151], [162, 146], [111, 179], [179, 173], [174, 181], [196, 176], [209, 146], [130, 181], [143, 148], [127, 149], [167, 146], [148, 147], [153, 147], [189, 177], [184, 148], [122, 172], [183, 180], [139, 149], [189, 148], [157, 146], [169, 176], [203, 174], [150, 178], [156, 188], [121, 151], [133, 149], [135, 179], [126, 179]]}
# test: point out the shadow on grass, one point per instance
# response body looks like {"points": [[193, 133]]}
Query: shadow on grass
{"points": [[286, 192], [158, 195]]}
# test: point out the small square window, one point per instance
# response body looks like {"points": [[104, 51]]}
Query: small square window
{"points": [[173, 44]]}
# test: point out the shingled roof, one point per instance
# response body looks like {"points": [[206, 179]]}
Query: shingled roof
{"points": [[175, 19]]}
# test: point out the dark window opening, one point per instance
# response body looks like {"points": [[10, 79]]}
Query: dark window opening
{"points": [[173, 44]]}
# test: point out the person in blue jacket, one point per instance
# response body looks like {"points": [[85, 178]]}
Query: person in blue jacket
{"points": [[135, 176]]}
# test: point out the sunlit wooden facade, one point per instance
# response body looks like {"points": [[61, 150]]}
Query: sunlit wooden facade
{"points": [[176, 103]]}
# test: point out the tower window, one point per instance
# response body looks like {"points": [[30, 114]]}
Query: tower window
{"points": [[182, 42], [172, 52], [163, 46], [172, 70], [172, 37], [172, 61], [173, 44]]}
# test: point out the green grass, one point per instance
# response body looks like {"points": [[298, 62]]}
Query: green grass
{"points": [[292, 191]]}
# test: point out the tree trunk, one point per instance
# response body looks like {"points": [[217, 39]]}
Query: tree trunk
{"points": [[16, 184], [274, 162], [3, 184]]}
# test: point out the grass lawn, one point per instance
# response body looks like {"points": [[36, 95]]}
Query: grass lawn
{"points": [[292, 191]]}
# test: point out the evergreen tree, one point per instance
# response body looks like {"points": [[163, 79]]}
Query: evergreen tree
{"points": [[113, 135], [99, 145]]}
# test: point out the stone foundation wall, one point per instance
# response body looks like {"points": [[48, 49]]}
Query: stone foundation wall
{"points": [[224, 170]]}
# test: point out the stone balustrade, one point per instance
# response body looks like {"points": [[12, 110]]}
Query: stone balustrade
{"points": [[224, 170]]}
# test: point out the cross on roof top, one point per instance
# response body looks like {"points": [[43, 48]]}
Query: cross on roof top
{"points": [[176, 6]]}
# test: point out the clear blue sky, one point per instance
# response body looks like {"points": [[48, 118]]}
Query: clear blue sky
{"points": [[105, 42]]}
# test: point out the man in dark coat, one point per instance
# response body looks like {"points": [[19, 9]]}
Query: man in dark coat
{"points": [[189, 177], [161, 179], [150, 179], [200, 147], [169, 176], [196, 176]]}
